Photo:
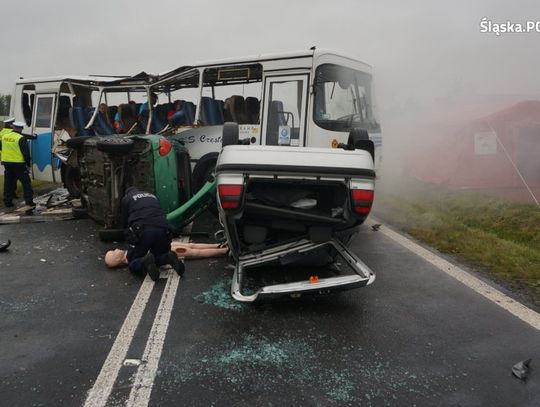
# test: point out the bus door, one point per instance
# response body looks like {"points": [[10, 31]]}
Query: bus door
{"points": [[41, 147], [284, 114]]}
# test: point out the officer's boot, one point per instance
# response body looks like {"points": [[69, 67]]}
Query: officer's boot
{"points": [[149, 265], [172, 259]]}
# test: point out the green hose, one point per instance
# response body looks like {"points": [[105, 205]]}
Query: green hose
{"points": [[188, 212]]}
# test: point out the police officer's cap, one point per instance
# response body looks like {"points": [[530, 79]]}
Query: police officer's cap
{"points": [[18, 124], [10, 120]]}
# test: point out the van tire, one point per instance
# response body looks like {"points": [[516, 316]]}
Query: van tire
{"points": [[230, 134], [203, 170], [111, 235], [115, 145], [76, 142], [72, 181]]}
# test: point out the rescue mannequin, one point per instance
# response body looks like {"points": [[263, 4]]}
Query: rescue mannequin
{"points": [[118, 257]]}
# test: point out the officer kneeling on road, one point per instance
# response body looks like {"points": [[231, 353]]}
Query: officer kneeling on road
{"points": [[148, 234]]}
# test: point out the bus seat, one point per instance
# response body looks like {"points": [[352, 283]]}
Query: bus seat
{"points": [[112, 111], [238, 109], [179, 118], [161, 112], [227, 117], [127, 118], [157, 123], [78, 119], [78, 101], [276, 118], [220, 107], [101, 126], [189, 109], [252, 109], [210, 114]]}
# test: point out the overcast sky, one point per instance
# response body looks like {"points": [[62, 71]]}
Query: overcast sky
{"points": [[420, 50]]}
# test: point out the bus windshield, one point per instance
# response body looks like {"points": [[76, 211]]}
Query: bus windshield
{"points": [[342, 99]]}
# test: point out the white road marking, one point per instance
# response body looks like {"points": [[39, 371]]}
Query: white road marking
{"points": [[99, 394], [146, 373], [517, 309]]}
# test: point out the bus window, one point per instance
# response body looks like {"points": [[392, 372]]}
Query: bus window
{"points": [[231, 94], [285, 104], [44, 112], [342, 99], [27, 99]]}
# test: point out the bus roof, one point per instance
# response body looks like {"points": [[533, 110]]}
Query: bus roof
{"points": [[144, 78]]}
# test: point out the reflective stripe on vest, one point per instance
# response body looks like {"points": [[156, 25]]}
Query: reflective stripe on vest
{"points": [[11, 153]]}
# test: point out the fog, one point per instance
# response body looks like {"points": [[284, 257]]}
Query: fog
{"points": [[433, 67]]}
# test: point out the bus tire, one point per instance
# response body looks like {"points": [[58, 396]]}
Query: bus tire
{"points": [[230, 134], [111, 235], [115, 145], [72, 181], [203, 170], [76, 142]]}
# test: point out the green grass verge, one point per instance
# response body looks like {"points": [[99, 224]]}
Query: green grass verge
{"points": [[498, 237], [36, 185]]}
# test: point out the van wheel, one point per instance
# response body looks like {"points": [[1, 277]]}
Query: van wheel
{"points": [[115, 145], [111, 235], [76, 142], [72, 181], [230, 134]]}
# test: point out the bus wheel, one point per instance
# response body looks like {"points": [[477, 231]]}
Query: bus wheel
{"points": [[72, 181], [204, 171], [115, 145]]}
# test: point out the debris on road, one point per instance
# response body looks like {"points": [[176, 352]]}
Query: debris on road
{"points": [[52, 206], [4, 246], [522, 369], [375, 227]]}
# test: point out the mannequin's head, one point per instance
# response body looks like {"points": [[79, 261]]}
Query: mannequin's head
{"points": [[116, 258]]}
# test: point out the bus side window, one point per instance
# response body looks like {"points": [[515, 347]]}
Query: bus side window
{"points": [[27, 110]]}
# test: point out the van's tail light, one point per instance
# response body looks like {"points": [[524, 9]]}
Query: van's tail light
{"points": [[362, 199], [164, 147], [230, 196]]}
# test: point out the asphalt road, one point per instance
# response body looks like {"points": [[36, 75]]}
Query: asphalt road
{"points": [[414, 337]]}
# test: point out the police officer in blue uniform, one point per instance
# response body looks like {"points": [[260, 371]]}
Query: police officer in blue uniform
{"points": [[149, 235], [16, 161]]}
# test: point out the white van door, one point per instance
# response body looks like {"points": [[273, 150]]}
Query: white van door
{"points": [[284, 114], [41, 147]]}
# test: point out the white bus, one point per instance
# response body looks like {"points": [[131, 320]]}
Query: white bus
{"points": [[310, 98]]}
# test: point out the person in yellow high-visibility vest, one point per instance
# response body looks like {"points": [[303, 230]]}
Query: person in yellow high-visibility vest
{"points": [[16, 161], [8, 128]]}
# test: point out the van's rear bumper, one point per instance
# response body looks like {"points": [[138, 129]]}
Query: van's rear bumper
{"points": [[361, 277]]}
